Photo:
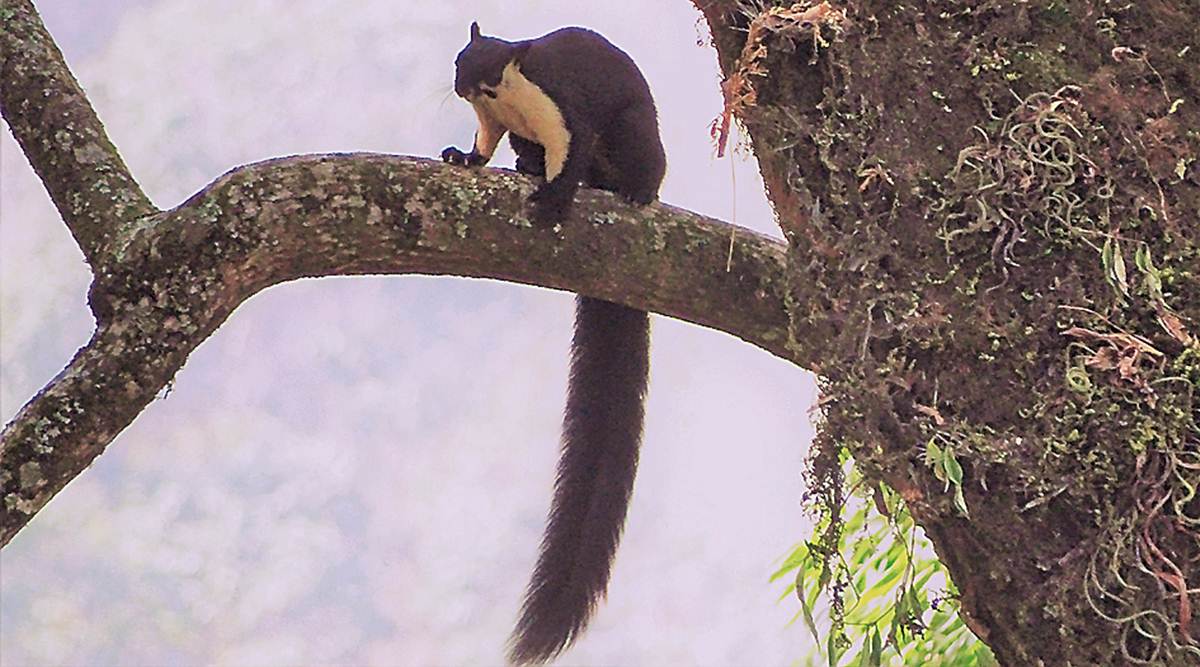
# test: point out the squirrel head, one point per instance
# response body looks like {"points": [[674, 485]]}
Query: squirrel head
{"points": [[479, 67]]}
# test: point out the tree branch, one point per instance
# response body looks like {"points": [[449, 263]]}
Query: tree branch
{"points": [[172, 279], [51, 118], [164, 281]]}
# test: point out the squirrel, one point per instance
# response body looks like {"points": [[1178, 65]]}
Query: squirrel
{"points": [[577, 111]]}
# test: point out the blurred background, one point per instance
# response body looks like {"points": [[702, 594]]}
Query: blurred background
{"points": [[356, 471]]}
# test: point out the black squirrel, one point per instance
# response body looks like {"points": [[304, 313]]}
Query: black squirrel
{"points": [[577, 110]]}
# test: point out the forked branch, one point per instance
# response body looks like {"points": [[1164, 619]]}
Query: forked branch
{"points": [[54, 122], [165, 280]]}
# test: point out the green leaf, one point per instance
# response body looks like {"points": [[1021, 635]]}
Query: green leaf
{"points": [[794, 559], [805, 607], [899, 613], [1114, 266], [1154, 286], [1141, 259], [825, 576], [835, 650], [926, 575], [915, 607], [953, 469], [960, 502], [1119, 268], [933, 458], [902, 605], [809, 622], [1145, 264], [864, 656], [891, 567], [881, 587], [933, 453], [787, 592]]}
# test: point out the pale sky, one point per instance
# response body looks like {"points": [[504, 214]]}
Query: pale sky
{"points": [[356, 471]]}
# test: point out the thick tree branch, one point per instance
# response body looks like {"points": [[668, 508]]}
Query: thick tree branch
{"points": [[57, 128], [171, 280], [166, 280]]}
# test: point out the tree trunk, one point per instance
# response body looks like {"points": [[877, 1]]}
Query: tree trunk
{"points": [[998, 203]]}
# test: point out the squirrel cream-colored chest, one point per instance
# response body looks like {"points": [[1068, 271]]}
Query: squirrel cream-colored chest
{"points": [[520, 106]]}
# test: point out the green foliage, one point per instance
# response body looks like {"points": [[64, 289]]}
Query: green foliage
{"points": [[882, 598], [946, 468]]}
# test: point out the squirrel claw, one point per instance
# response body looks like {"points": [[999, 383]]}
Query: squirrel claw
{"points": [[453, 155]]}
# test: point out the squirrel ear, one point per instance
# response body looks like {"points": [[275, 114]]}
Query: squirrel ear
{"points": [[474, 31]]}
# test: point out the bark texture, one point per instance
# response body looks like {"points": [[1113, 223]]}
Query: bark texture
{"points": [[997, 202], [60, 134]]}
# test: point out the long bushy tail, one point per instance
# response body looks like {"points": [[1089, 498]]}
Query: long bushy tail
{"points": [[602, 430]]}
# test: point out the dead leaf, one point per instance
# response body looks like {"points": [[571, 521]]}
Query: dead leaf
{"points": [[1174, 326], [932, 413]]}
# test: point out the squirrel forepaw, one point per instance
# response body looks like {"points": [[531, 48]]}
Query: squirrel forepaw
{"points": [[453, 155]]}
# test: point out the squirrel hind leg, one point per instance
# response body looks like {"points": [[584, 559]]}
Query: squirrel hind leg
{"points": [[636, 161]]}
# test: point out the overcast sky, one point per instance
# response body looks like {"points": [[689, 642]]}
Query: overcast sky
{"points": [[356, 471]]}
